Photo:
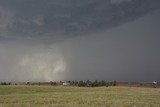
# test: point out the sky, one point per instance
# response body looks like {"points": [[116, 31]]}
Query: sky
{"points": [[52, 40]]}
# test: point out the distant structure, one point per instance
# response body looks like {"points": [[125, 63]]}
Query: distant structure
{"points": [[155, 84], [66, 84]]}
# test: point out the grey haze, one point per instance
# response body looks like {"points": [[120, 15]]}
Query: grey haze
{"points": [[46, 40]]}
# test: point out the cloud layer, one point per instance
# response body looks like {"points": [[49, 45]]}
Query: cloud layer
{"points": [[56, 19], [47, 40]]}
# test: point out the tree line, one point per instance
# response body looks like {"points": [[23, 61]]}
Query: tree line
{"points": [[95, 83], [80, 83]]}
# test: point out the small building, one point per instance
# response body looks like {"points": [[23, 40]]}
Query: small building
{"points": [[155, 84], [66, 84]]}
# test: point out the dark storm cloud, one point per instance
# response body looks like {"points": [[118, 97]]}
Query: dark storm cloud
{"points": [[59, 19], [101, 39], [130, 52]]}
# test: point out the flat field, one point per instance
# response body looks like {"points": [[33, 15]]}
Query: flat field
{"points": [[60, 96]]}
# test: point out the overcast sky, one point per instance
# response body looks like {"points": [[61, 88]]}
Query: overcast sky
{"points": [[49, 40]]}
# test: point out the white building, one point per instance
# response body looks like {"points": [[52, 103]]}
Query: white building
{"points": [[66, 84]]}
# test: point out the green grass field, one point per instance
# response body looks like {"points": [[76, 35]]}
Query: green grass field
{"points": [[59, 96]]}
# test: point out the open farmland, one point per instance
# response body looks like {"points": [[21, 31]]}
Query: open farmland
{"points": [[59, 96]]}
